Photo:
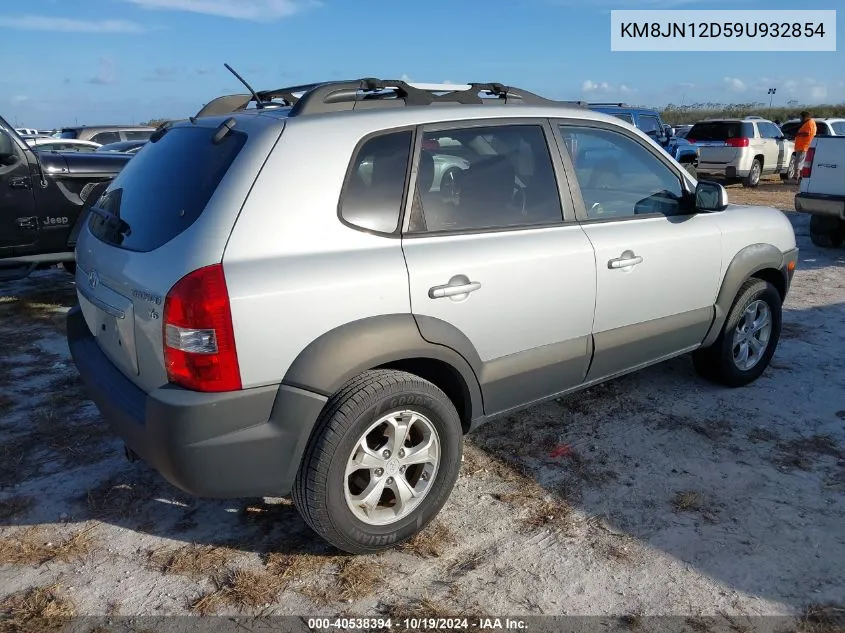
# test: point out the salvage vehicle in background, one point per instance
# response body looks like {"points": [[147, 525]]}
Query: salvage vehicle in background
{"points": [[43, 198], [104, 134], [822, 191], [125, 147], [49, 144]]}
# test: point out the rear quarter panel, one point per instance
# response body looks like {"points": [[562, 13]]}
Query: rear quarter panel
{"points": [[293, 270], [828, 175]]}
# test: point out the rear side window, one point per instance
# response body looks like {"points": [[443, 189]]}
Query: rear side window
{"points": [[720, 130], [625, 117], [106, 137], [67, 134], [838, 128], [790, 130], [375, 186], [769, 130], [164, 189], [822, 129], [137, 135], [649, 123]]}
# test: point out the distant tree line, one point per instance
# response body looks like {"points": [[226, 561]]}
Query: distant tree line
{"points": [[678, 115]]}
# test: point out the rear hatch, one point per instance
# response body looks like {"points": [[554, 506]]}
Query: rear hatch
{"points": [[168, 213], [720, 141]]}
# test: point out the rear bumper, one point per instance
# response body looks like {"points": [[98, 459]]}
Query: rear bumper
{"points": [[821, 204], [790, 262], [241, 444]]}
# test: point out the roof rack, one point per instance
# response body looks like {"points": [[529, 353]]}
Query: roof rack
{"points": [[370, 93], [615, 105]]}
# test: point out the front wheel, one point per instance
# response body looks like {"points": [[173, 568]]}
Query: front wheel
{"points": [[382, 461], [748, 338]]}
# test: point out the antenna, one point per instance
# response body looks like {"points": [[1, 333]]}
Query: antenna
{"points": [[258, 103]]}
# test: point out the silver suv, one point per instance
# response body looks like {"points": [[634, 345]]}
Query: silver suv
{"points": [[323, 296]]}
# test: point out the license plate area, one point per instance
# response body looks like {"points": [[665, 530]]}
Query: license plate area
{"points": [[111, 319]]}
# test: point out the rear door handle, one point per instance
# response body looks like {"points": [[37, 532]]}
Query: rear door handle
{"points": [[627, 260], [458, 285]]}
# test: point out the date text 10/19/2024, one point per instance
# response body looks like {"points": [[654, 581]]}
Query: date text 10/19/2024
{"points": [[416, 624]]}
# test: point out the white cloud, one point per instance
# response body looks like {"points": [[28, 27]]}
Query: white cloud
{"points": [[603, 87], [106, 74], [68, 25], [255, 10], [734, 84], [819, 92]]}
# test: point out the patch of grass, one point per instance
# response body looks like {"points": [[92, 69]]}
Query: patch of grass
{"points": [[35, 610], [34, 547], [14, 507], [632, 621], [688, 501], [822, 618], [431, 542], [66, 394], [804, 452], [761, 434], [241, 589], [76, 444], [550, 514], [358, 578], [426, 607], [467, 563], [297, 567], [194, 561]]}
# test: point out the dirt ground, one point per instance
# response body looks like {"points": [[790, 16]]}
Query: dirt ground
{"points": [[655, 494], [771, 192]]}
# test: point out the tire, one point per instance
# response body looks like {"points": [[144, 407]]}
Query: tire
{"points": [[717, 363], [690, 169], [826, 232], [70, 267], [322, 489], [790, 174], [753, 177]]}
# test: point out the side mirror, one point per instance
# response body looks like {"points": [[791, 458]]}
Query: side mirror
{"points": [[8, 155], [710, 197]]}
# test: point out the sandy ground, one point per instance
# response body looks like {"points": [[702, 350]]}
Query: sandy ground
{"points": [[655, 494]]}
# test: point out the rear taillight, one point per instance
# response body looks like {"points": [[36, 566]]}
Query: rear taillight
{"points": [[692, 140], [199, 339], [737, 142], [808, 163]]}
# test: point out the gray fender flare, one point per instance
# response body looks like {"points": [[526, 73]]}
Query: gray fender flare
{"points": [[750, 260], [350, 349]]}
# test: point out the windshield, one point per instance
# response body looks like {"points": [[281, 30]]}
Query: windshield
{"points": [[164, 189]]}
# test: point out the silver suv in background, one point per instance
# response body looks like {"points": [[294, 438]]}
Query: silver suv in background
{"points": [[742, 149], [322, 297], [105, 134]]}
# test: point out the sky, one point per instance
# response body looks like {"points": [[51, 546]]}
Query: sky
{"points": [[126, 61]]}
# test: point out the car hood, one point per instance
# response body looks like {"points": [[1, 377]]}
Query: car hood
{"points": [[82, 163]]}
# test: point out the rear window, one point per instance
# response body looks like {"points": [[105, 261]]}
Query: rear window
{"points": [[67, 134], [720, 131], [164, 189]]}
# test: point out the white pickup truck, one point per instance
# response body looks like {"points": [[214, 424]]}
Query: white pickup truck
{"points": [[822, 191]]}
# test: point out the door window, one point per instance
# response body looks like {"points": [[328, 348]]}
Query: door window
{"points": [[374, 189], [769, 130], [650, 124], [482, 178], [137, 135], [619, 177]]}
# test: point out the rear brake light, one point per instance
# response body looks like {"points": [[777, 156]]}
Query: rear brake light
{"points": [[737, 142], [808, 163], [199, 339], [692, 140]]}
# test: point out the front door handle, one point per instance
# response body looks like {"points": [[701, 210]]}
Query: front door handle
{"points": [[458, 287], [20, 182], [626, 260]]}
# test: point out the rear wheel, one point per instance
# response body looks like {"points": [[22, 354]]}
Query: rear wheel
{"points": [[382, 461], [827, 232], [748, 339], [753, 177]]}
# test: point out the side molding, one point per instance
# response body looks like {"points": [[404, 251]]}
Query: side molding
{"points": [[751, 259], [346, 351]]}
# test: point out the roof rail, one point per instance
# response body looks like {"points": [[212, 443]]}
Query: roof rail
{"points": [[369, 93], [616, 105]]}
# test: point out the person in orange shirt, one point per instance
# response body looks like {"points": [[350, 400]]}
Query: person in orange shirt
{"points": [[803, 139]]}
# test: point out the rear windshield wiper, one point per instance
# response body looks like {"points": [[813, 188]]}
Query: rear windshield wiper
{"points": [[118, 225]]}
